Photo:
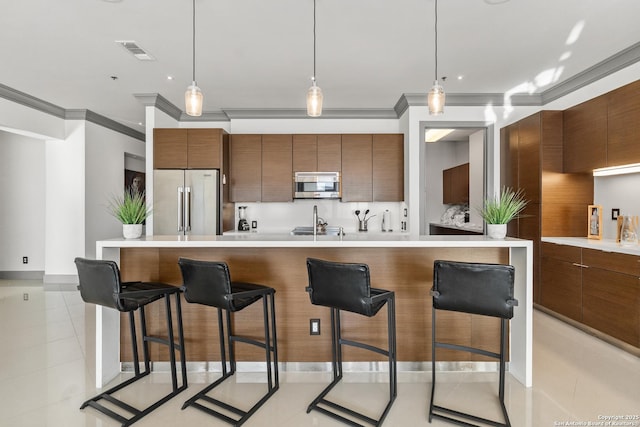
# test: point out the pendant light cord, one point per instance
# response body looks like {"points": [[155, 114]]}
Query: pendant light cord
{"points": [[194, 40], [314, 40], [436, 28]]}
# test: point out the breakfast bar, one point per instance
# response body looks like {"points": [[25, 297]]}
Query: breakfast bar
{"points": [[399, 262]]}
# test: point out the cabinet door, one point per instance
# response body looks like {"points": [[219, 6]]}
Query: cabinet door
{"points": [[170, 148], [624, 125], [447, 192], [329, 153], [529, 146], [460, 183], [245, 169], [305, 153], [204, 148], [388, 167], [585, 136], [611, 303], [561, 282], [277, 174], [357, 168]]}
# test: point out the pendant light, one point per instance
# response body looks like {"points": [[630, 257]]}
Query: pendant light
{"points": [[314, 95], [436, 96], [193, 96]]}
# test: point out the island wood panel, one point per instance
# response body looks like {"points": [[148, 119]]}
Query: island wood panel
{"points": [[357, 168], [623, 127], [329, 153], [277, 181], [407, 271], [245, 170]]}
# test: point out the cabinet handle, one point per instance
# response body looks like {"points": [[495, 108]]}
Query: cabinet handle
{"points": [[580, 265]]}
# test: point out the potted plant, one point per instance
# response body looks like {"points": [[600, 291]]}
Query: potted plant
{"points": [[131, 210], [501, 209]]}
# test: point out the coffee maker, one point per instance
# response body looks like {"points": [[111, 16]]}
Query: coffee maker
{"points": [[243, 224]]}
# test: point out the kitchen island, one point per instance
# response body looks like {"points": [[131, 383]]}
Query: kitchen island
{"points": [[399, 262]]}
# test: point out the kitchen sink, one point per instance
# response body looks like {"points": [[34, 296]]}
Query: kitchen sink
{"points": [[330, 230]]}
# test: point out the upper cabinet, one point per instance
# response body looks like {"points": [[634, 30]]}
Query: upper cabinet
{"points": [[317, 153], [245, 170], [388, 167], [372, 167], [623, 130], [277, 175], [585, 136], [357, 168], [188, 148]]}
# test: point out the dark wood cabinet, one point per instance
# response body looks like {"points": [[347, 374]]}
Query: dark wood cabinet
{"points": [[357, 168], [317, 153], [585, 136], [596, 288], [561, 281], [388, 168], [623, 125], [277, 174], [611, 294], [188, 148], [455, 185], [245, 157]]}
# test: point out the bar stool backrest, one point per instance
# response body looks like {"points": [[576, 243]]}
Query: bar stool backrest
{"points": [[345, 286], [477, 288], [206, 282], [100, 283]]}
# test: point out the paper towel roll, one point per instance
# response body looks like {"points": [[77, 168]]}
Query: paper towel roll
{"points": [[386, 221]]}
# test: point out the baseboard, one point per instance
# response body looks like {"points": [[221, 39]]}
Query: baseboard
{"points": [[60, 279], [21, 275]]}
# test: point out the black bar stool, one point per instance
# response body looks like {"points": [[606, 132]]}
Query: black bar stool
{"points": [[100, 284], [485, 289], [342, 286], [209, 283]]}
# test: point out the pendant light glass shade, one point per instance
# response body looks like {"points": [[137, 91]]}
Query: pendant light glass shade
{"points": [[436, 99], [193, 100], [314, 94], [193, 96], [314, 101]]}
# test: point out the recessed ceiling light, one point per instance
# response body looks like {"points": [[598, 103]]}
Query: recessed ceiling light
{"points": [[169, 77], [460, 77], [433, 135]]}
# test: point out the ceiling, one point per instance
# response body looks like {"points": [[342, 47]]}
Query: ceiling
{"points": [[258, 54]]}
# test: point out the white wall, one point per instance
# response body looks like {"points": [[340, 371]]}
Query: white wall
{"points": [[65, 200], [476, 176], [105, 153], [22, 202]]}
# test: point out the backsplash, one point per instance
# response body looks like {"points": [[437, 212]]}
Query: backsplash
{"points": [[616, 192], [283, 217]]}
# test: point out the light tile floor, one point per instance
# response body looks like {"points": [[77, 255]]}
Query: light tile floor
{"points": [[44, 378]]}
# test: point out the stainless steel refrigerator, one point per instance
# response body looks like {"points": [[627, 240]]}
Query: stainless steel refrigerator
{"points": [[186, 201]]}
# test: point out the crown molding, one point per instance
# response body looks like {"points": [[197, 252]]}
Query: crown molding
{"points": [[160, 102], [301, 113], [103, 121], [31, 101]]}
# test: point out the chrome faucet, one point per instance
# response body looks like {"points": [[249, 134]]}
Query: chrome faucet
{"points": [[315, 221]]}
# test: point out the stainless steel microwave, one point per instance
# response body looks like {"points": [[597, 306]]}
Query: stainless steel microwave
{"points": [[317, 185]]}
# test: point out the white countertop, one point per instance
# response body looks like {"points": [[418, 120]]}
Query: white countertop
{"points": [[606, 245], [354, 240]]}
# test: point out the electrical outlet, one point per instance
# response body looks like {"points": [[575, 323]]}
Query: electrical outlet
{"points": [[25, 260], [25, 297], [314, 326], [254, 224], [615, 213]]}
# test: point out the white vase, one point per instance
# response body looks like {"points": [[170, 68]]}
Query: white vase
{"points": [[131, 231], [497, 231]]}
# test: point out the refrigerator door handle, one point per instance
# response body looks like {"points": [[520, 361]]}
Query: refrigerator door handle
{"points": [[180, 208], [187, 209]]}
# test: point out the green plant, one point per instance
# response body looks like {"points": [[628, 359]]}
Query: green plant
{"points": [[503, 207], [130, 208]]}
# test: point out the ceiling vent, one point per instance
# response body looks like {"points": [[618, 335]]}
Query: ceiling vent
{"points": [[136, 50]]}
